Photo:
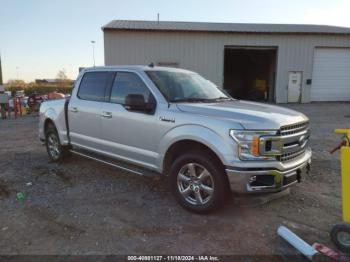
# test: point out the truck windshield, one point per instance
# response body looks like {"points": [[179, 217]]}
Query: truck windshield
{"points": [[186, 87]]}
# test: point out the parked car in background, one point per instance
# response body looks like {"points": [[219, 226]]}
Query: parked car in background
{"points": [[55, 95], [176, 123], [34, 101]]}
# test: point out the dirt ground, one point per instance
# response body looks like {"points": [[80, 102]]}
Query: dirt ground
{"points": [[83, 207]]}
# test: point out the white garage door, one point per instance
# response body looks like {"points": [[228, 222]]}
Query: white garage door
{"points": [[331, 75]]}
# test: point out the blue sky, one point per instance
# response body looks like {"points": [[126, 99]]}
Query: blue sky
{"points": [[40, 37]]}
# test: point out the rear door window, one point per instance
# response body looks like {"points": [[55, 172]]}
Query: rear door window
{"points": [[93, 86]]}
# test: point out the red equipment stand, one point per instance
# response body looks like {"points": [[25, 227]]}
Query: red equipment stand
{"points": [[17, 107]]}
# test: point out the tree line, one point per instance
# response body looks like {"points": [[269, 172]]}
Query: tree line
{"points": [[31, 88], [61, 85]]}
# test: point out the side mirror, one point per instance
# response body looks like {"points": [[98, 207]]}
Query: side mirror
{"points": [[136, 102]]}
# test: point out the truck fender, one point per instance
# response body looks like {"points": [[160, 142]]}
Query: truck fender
{"points": [[197, 133], [61, 129]]}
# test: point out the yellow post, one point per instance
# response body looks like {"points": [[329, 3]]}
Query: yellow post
{"points": [[345, 173]]}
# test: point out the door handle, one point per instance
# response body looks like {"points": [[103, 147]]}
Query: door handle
{"points": [[74, 109], [107, 114]]}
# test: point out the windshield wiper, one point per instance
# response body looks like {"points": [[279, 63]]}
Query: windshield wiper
{"points": [[203, 100], [223, 98], [191, 99]]}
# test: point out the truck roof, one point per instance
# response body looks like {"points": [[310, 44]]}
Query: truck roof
{"points": [[134, 68]]}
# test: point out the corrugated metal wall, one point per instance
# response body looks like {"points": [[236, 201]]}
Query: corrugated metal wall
{"points": [[204, 52]]}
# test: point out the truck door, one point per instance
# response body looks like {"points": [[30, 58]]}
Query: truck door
{"points": [[130, 135], [84, 110]]}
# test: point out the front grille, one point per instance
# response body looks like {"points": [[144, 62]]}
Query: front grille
{"points": [[291, 156], [295, 139], [293, 129]]}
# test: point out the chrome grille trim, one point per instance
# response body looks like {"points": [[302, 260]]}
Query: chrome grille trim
{"points": [[293, 129], [291, 156], [291, 135]]}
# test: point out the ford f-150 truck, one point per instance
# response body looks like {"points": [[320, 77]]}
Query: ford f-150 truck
{"points": [[148, 119]]}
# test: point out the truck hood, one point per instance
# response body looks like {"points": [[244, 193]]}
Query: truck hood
{"points": [[250, 115]]}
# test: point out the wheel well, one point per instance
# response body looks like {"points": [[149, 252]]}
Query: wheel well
{"points": [[186, 145], [47, 123]]}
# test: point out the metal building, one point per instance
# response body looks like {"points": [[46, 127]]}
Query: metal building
{"points": [[267, 62]]}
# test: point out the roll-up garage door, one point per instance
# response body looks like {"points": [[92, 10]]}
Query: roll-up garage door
{"points": [[331, 75]]}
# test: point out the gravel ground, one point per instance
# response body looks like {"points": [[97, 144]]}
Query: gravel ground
{"points": [[83, 207]]}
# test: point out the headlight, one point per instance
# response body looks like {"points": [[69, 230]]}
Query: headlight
{"points": [[250, 142]]}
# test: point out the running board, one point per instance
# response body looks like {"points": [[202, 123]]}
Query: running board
{"points": [[114, 163]]}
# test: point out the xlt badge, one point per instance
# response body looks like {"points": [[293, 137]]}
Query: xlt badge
{"points": [[165, 119]]}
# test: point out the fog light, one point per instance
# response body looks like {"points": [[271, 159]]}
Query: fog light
{"points": [[252, 179]]}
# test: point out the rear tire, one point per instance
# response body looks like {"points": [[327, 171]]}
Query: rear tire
{"points": [[54, 149], [198, 182]]}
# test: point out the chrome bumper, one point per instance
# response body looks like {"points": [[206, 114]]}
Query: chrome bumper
{"points": [[250, 180]]}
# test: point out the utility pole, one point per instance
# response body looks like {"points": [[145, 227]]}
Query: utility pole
{"points": [[93, 51]]}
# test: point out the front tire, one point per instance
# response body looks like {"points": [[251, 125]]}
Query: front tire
{"points": [[54, 149], [340, 235], [197, 182]]}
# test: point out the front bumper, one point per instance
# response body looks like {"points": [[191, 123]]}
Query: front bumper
{"points": [[263, 180]]}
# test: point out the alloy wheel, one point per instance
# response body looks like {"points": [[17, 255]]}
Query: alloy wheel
{"points": [[195, 184], [53, 146]]}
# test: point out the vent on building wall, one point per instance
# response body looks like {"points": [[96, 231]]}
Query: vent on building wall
{"points": [[168, 64]]}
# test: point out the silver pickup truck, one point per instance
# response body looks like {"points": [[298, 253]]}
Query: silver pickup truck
{"points": [[147, 119]]}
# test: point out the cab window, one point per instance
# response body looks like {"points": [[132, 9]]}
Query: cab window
{"points": [[127, 83]]}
